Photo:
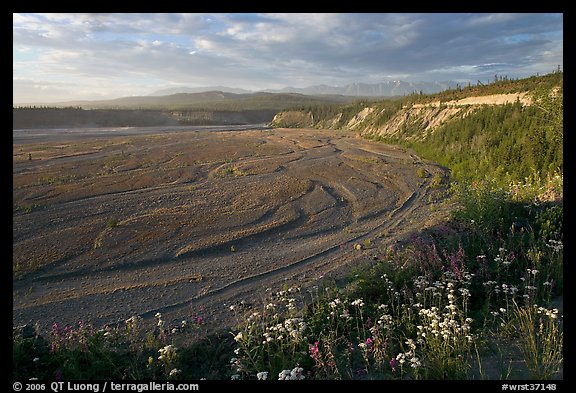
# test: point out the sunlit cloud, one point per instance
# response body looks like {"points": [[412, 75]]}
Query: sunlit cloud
{"points": [[131, 54]]}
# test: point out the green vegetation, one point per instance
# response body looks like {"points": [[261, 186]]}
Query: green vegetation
{"points": [[421, 173], [509, 142], [487, 282]]}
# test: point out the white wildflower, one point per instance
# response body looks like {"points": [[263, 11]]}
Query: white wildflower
{"points": [[297, 373], [358, 303], [414, 362]]}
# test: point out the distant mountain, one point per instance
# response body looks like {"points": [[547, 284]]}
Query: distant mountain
{"points": [[383, 89], [191, 90]]}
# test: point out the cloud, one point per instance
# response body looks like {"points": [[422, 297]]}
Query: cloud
{"points": [[258, 51]]}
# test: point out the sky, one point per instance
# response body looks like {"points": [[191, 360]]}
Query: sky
{"points": [[62, 57]]}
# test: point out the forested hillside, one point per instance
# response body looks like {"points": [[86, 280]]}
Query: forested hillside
{"points": [[513, 129]]}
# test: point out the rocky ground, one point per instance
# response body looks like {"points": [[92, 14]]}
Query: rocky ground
{"points": [[115, 225]]}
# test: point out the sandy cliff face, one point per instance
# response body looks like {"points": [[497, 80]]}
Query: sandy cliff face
{"points": [[427, 117], [413, 122], [423, 118], [293, 119]]}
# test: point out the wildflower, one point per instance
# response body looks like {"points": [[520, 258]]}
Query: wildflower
{"points": [[393, 363], [167, 352], [555, 245], [175, 372], [232, 307], [253, 316], [314, 351], [268, 338], [132, 320], [184, 324], [262, 375], [411, 344], [284, 375], [238, 337], [334, 303], [36, 360], [235, 377], [358, 303], [502, 310], [414, 362], [297, 373]]}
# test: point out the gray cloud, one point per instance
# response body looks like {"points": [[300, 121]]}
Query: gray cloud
{"points": [[258, 51]]}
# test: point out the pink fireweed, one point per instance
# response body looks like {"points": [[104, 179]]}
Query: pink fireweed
{"points": [[315, 352], [393, 363]]}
